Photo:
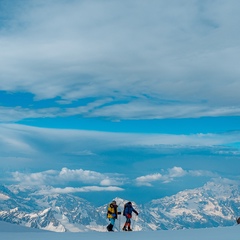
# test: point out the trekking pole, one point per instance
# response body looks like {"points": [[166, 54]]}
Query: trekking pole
{"points": [[119, 222]]}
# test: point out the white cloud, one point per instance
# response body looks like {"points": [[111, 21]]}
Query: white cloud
{"points": [[176, 172], [146, 180], [77, 190], [39, 178], [79, 175], [65, 176], [170, 175]]}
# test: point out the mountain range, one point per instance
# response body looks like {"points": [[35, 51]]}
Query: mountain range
{"points": [[212, 205]]}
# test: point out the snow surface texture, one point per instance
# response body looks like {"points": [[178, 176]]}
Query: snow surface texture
{"points": [[11, 231]]}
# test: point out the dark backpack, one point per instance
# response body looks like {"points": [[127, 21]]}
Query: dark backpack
{"points": [[127, 209]]}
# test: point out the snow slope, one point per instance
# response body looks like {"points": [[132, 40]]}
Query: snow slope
{"points": [[12, 231], [8, 227]]}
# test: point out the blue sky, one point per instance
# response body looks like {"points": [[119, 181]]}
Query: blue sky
{"points": [[134, 99]]}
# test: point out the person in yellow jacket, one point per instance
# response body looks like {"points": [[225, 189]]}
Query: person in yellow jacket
{"points": [[112, 213]]}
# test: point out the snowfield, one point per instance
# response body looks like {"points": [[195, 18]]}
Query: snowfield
{"points": [[15, 232]]}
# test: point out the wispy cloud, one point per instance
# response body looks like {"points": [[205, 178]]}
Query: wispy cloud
{"points": [[155, 109], [14, 114], [109, 109], [33, 141], [202, 173]]}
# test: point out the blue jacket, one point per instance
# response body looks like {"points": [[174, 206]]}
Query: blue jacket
{"points": [[128, 209]]}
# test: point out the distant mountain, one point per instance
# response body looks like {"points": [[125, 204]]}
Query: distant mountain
{"points": [[214, 204], [54, 212]]}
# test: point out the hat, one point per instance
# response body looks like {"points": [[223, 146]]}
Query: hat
{"points": [[114, 201]]}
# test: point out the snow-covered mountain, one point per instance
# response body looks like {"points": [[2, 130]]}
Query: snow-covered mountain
{"points": [[214, 204], [209, 206], [54, 212]]}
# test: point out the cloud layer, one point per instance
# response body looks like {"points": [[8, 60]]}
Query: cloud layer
{"points": [[23, 140], [135, 60]]}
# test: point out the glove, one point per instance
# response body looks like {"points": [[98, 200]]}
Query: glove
{"points": [[137, 214]]}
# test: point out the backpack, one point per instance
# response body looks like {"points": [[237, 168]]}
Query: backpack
{"points": [[127, 209]]}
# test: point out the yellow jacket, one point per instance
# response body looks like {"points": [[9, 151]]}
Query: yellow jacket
{"points": [[112, 211]]}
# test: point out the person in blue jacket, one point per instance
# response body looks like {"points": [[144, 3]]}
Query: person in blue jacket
{"points": [[127, 212]]}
